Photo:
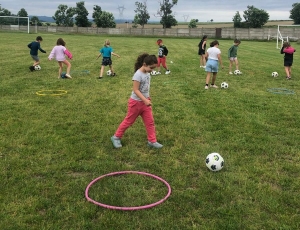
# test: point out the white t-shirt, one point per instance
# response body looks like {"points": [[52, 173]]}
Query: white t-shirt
{"points": [[213, 53], [144, 80]]}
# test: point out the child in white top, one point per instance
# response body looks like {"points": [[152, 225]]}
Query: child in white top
{"points": [[59, 51]]}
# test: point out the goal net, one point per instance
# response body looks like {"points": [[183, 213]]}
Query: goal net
{"points": [[284, 36], [14, 23]]}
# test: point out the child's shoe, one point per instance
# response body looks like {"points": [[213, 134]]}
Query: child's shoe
{"points": [[155, 145], [214, 86], [168, 72], [206, 87], [116, 142], [68, 76], [31, 68], [158, 72], [230, 73]]}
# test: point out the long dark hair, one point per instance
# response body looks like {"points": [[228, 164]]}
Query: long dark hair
{"points": [[60, 42], [144, 58]]}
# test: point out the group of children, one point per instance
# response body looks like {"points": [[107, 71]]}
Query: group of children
{"points": [[211, 59]]}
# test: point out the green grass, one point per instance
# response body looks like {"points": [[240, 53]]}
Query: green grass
{"points": [[52, 147]]}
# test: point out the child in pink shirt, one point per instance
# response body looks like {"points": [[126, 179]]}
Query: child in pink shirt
{"points": [[60, 52]]}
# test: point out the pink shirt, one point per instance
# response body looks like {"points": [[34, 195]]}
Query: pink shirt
{"points": [[59, 53]]}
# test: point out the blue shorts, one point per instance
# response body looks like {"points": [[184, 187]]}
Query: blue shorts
{"points": [[35, 57], [212, 66]]}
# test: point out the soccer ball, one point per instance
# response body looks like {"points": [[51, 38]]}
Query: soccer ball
{"points": [[214, 162], [153, 72], [274, 74], [37, 67], [108, 72], [237, 72], [224, 85]]}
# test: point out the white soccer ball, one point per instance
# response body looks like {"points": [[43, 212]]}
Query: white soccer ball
{"points": [[108, 72], [153, 72], [224, 85], [37, 67], [214, 161], [274, 74], [237, 72]]}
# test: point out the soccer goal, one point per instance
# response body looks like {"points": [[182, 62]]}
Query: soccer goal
{"points": [[15, 22], [281, 39]]}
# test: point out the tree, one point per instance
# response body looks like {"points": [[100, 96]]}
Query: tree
{"points": [[142, 16], [295, 13], [22, 13], [35, 20], [64, 16], [4, 12], [81, 19], [103, 19], [165, 12], [255, 18], [237, 20], [193, 23]]}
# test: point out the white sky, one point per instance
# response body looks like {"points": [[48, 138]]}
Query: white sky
{"points": [[219, 11]]}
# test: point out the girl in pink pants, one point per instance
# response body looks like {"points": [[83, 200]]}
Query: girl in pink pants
{"points": [[139, 103]]}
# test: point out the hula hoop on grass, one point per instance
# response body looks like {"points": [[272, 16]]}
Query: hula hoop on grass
{"points": [[280, 91], [51, 92], [127, 208]]}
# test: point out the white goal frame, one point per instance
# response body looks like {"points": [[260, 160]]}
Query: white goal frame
{"points": [[28, 23], [280, 37]]}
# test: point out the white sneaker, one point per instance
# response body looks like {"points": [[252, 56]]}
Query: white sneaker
{"points": [[230, 72], [68, 76], [155, 145], [206, 87], [204, 66], [168, 72], [201, 66], [214, 86], [158, 72]]}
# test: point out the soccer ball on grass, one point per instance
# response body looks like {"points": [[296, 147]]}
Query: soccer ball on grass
{"points": [[274, 74], [214, 161], [37, 67], [224, 85], [108, 73], [153, 72], [237, 72]]}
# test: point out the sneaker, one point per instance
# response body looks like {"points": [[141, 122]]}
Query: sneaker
{"points": [[68, 76], [214, 86], [288, 78], [201, 66], [158, 72], [155, 145], [99, 77], [206, 87], [230, 73], [113, 75], [116, 141], [168, 72], [204, 66], [31, 68]]}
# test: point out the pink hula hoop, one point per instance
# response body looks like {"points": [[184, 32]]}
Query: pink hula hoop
{"points": [[127, 208]]}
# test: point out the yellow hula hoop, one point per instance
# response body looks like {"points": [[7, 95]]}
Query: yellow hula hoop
{"points": [[57, 92]]}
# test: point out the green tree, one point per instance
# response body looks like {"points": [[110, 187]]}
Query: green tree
{"points": [[64, 16], [295, 13], [4, 12], [22, 13], [237, 20], [81, 19], [35, 20], [193, 23], [256, 18], [103, 19], [142, 16], [165, 12]]}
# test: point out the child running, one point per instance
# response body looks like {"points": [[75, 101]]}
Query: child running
{"points": [[201, 52], [288, 52], [59, 51], [106, 51], [232, 55], [34, 47], [212, 65], [139, 103], [162, 57]]}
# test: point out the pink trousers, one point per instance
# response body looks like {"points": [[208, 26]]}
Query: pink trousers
{"points": [[135, 109]]}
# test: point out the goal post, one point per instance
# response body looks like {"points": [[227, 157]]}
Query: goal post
{"points": [[13, 21], [280, 38]]}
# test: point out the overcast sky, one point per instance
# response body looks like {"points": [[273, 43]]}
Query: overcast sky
{"points": [[185, 10]]}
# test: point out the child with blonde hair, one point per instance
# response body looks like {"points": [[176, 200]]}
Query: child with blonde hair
{"points": [[106, 51]]}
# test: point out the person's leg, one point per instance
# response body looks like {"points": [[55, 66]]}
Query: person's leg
{"points": [[203, 60], [101, 71], [68, 64], [287, 72], [148, 120], [230, 66], [158, 65], [236, 63], [214, 78], [60, 68]]}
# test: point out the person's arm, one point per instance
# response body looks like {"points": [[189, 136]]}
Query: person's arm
{"points": [[117, 55], [68, 53], [281, 51], [229, 51], [166, 51], [203, 44], [51, 55], [29, 45], [136, 90], [220, 60], [99, 55]]}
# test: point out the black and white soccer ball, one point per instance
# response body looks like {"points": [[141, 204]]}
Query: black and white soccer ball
{"points": [[237, 72], [274, 74], [153, 73], [37, 67], [214, 161], [108, 73], [224, 85]]}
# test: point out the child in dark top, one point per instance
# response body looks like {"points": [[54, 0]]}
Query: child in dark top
{"points": [[288, 52], [34, 47], [162, 57], [201, 52], [232, 55]]}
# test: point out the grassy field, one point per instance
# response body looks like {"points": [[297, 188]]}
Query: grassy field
{"points": [[52, 147]]}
